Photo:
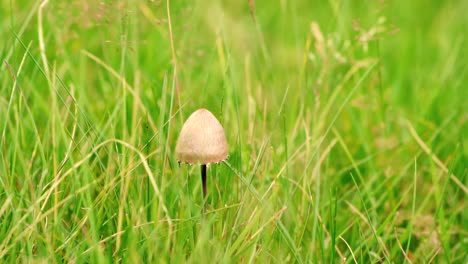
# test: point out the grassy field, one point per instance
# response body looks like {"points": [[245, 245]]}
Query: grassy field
{"points": [[346, 121]]}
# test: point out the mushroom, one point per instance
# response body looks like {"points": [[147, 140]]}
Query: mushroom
{"points": [[202, 141]]}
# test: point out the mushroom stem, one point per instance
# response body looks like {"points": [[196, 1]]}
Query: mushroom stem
{"points": [[203, 178]]}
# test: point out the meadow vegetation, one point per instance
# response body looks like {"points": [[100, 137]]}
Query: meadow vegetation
{"points": [[346, 121]]}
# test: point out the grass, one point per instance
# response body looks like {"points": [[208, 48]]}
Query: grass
{"points": [[346, 123]]}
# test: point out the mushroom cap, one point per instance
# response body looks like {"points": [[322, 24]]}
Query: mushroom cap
{"points": [[202, 139]]}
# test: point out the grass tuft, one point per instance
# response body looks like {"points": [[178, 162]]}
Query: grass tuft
{"points": [[346, 124]]}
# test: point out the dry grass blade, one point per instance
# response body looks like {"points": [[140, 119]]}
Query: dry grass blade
{"points": [[437, 161], [252, 10]]}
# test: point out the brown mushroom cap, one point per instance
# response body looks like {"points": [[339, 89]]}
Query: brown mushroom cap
{"points": [[202, 139]]}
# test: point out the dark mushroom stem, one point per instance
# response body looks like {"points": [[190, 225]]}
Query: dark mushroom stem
{"points": [[203, 178]]}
